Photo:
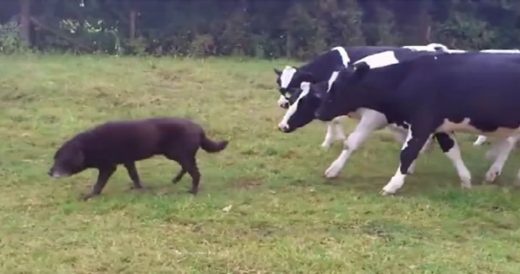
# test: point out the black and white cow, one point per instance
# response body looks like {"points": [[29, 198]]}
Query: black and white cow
{"points": [[482, 138], [469, 92], [301, 112], [321, 68]]}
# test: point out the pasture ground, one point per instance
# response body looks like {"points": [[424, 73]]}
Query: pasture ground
{"points": [[264, 205]]}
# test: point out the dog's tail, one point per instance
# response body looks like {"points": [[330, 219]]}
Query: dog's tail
{"points": [[211, 146]]}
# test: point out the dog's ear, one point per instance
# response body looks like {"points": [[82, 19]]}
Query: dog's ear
{"points": [[361, 69], [277, 71], [78, 157]]}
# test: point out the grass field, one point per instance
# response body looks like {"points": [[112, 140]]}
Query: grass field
{"points": [[264, 205]]}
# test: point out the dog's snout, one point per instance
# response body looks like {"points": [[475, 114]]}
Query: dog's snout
{"points": [[284, 105]]}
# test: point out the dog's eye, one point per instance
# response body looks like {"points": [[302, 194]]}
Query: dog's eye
{"points": [[287, 94]]}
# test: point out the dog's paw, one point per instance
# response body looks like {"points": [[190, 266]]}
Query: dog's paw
{"points": [[86, 197]]}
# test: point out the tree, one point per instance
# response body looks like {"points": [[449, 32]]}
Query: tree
{"points": [[264, 28]]}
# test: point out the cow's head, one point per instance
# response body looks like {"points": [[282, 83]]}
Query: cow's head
{"points": [[343, 93], [301, 111], [289, 80]]}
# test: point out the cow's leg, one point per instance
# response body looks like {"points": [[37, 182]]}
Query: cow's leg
{"points": [[502, 149], [329, 136], [451, 149], [369, 122], [417, 137], [428, 147], [494, 150], [400, 136], [517, 181], [339, 134], [481, 139]]}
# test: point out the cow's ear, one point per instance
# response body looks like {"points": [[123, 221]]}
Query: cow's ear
{"points": [[339, 67], [305, 85], [318, 90], [360, 69], [318, 94], [277, 71]]}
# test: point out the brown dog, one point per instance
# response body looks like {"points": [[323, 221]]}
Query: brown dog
{"points": [[125, 142]]}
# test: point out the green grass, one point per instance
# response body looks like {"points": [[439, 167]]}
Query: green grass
{"points": [[285, 217]]}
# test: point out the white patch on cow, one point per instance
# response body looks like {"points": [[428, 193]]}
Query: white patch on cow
{"points": [[329, 136], [481, 139], [454, 155], [465, 126], [437, 46], [332, 79], [456, 51], [382, 59], [417, 48], [345, 59], [395, 183], [500, 51], [286, 76], [408, 138], [338, 164], [339, 133], [429, 47], [292, 109], [517, 181], [334, 132], [370, 121], [283, 102], [305, 85], [399, 133], [501, 149]]}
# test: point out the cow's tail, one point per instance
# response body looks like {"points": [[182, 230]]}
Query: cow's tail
{"points": [[212, 146]]}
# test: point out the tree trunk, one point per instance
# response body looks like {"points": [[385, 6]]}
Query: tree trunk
{"points": [[25, 21], [428, 34], [132, 21], [424, 24], [288, 45]]}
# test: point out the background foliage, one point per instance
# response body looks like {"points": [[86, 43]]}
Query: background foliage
{"points": [[259, 28]]}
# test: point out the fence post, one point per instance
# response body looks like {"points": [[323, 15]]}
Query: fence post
{"points": [[25, 21]]}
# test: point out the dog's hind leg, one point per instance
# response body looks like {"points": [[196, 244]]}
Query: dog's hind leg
{"points": [[103, 176], [179, 175], [190, 165], [132, 173]]}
